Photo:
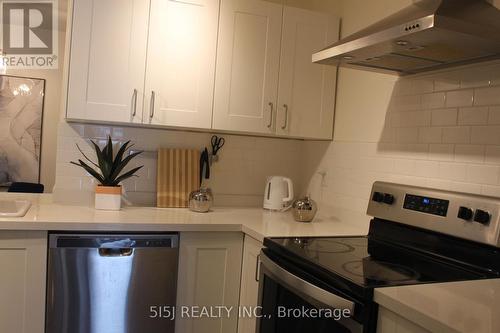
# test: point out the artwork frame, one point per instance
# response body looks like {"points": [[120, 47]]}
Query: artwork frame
{"points": [[22, 104]]}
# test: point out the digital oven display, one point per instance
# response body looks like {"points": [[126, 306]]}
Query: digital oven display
{"points": [[426, 205]]}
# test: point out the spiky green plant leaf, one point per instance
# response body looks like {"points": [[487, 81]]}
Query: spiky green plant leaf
{"points": [[127, 174], [124, 163], [90, 170], [110, 166]]}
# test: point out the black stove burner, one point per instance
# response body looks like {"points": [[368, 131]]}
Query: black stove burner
{"points": [[380, 270], [327, 246], [364, 263]]}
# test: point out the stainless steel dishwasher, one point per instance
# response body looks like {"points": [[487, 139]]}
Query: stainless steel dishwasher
{"points": [[111, 283]]}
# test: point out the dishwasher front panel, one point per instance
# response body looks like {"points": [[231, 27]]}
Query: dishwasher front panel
{"points": [[111, 285]]}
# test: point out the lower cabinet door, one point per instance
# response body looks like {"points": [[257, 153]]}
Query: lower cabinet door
{"points": [[209, 282], [249, 290], [23, 264]]}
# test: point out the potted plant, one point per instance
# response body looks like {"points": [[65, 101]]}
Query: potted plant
{"points": [[109, 172]]}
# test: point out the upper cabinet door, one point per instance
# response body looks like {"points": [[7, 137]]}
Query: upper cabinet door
{"points": [[180, 70], [107, 60], [247, 66], [306, 97]]}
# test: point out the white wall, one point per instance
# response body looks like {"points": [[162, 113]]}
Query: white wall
{"points": [[439, 130], [51, 112]]}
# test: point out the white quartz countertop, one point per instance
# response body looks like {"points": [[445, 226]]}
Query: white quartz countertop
{"points": [[256, 222], [466, 307]]}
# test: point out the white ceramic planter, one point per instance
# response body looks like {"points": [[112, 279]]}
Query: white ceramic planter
{"points": [[108, 197]]}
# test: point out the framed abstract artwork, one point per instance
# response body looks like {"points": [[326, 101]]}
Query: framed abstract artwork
{"points": [[21, 116]]}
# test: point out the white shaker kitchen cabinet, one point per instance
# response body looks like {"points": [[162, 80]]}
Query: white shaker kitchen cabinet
{"points": [[249, 289], [247, 66], [107, 60], [23, 258], [390, 322], [209, 275], [306, 94], [180, 70]]}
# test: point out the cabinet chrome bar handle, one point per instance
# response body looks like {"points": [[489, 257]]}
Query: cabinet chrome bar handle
{"points": [[134, 105], [271, 107], [286, 116], [152, 105], [257, 268]]}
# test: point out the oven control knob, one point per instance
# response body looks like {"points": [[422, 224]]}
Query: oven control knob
{"points": [[378, 197], [465, 213], [388, 199], [482, 216]]}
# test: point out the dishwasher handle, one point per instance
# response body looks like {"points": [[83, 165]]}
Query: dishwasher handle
{"points": [[111, 241], [120, 252]]}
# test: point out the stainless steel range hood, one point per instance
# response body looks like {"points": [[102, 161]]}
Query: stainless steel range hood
{"points": [[428, 35]]}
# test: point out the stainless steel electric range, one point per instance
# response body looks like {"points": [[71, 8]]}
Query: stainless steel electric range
{"points": [[417, 235]]}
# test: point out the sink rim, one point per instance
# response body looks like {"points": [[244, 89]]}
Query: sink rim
{"points": [[22, 208]]}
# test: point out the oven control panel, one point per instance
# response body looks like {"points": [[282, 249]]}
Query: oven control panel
{"points": [[426, 204], [469, 216]]}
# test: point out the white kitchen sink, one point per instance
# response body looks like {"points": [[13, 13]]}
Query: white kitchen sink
{"points": [[14, 208]]}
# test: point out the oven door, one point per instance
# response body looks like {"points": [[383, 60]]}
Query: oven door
{"points": [[287, 304]]}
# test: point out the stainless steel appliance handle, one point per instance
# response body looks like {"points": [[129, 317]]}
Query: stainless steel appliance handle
{"points": [[134, 105], [257, 268], [295, 282], [122, 252], [152, 105], [286, 116], [271, 107]]}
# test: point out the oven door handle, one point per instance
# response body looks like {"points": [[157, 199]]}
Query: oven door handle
{"points": [[282, 275]]}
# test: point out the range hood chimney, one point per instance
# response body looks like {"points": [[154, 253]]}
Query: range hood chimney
{"points": [[428, 35]]}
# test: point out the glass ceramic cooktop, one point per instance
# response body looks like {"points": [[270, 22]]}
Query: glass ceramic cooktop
{"points": [[366, 262]]}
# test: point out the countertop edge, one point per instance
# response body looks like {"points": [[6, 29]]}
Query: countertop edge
{"points": [[414, 315]]}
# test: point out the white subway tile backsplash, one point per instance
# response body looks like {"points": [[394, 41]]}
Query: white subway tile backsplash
{"points": [[422, 86], [492, 154], [244, 162], [404, 167], [407, 135], [433, 101], [465, 187], [441, 152], [485, 135], [490, 190], [446, 84], [411, 118], [459, 98], [456, 135], [452, 171], [444, 117], [459, 149], [473, 116], [469, 153], [427, 169], [407, 103], [494, 115], [487, 96], [97, 132], [69, 182], [482, 174], [430, 134], [441, 184]]}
